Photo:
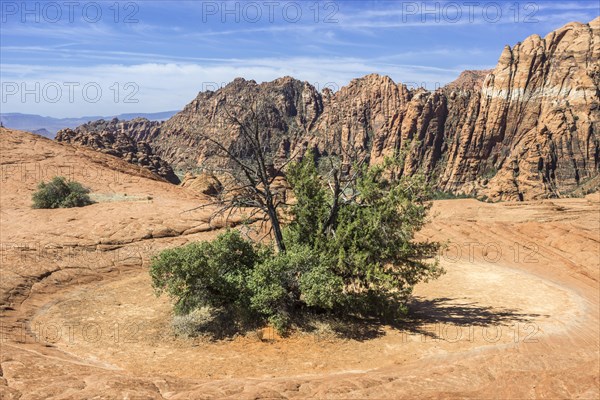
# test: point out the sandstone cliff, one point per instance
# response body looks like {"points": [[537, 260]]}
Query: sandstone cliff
{"points": [[537, 119], [527, 129], [469, 80]]}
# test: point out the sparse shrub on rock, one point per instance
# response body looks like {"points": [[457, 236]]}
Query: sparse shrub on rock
{"points": [[60, 193]]}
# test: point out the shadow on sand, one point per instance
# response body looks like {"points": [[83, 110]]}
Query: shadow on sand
{"points": [[425, 317], [425, 314]]}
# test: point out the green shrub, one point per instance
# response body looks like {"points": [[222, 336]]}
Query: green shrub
{"points": [[274, 288], [284, 283], [368, 262], [211, 274], [355, 256], [321, 287], [58, 193]]}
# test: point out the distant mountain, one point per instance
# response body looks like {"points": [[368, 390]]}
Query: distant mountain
{"points": [[48, 126], [42, 132], [528, 129], [469, 80]]}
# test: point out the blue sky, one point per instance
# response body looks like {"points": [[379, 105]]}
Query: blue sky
{"points": [[68, 59]]}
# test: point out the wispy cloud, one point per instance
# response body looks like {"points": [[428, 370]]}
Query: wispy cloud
{"points": [[175, 49], [171, 86], [451, 14]]}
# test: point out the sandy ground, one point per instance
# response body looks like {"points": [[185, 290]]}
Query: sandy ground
{"points": [[123, 324], [516, 315]]}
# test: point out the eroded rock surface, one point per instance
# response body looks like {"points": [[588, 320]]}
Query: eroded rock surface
{"points": [[114, 137], [516, 316]]}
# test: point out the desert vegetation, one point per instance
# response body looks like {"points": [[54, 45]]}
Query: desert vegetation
{"points": [[60, 193], [343, 246], [346, 250]]}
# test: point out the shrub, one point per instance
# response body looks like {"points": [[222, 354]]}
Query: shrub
{"points": [[368, 262], [274, 289], [59, 193], [191, 324], [210, 274], [350, 255], [285, 282], [321, 287]]}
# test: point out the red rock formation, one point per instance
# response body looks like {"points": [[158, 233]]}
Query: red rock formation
{"points": [[537, 119], [527, 129], [469, 80], [116, 138]]}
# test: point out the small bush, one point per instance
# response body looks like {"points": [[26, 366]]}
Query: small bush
{"points": [[59, 193], [212, 274], [189, 325]]}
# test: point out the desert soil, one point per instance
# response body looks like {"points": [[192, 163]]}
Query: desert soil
{"points": [[515, 316]]}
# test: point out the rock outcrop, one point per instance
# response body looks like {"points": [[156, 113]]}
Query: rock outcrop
{"points": [[288, 122], [116, 138], [204, 183], [527, 129], [470, 79], [534, 129]]}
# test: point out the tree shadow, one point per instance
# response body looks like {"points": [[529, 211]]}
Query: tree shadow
{"points": [[341, 326], [424, 313]]}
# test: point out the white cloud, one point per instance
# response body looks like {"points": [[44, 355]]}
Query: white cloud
{"points": [[169, 86]]}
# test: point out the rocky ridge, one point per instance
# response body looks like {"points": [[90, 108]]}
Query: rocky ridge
{"points": [[114, 137], [527, 129], [470, 79]]}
